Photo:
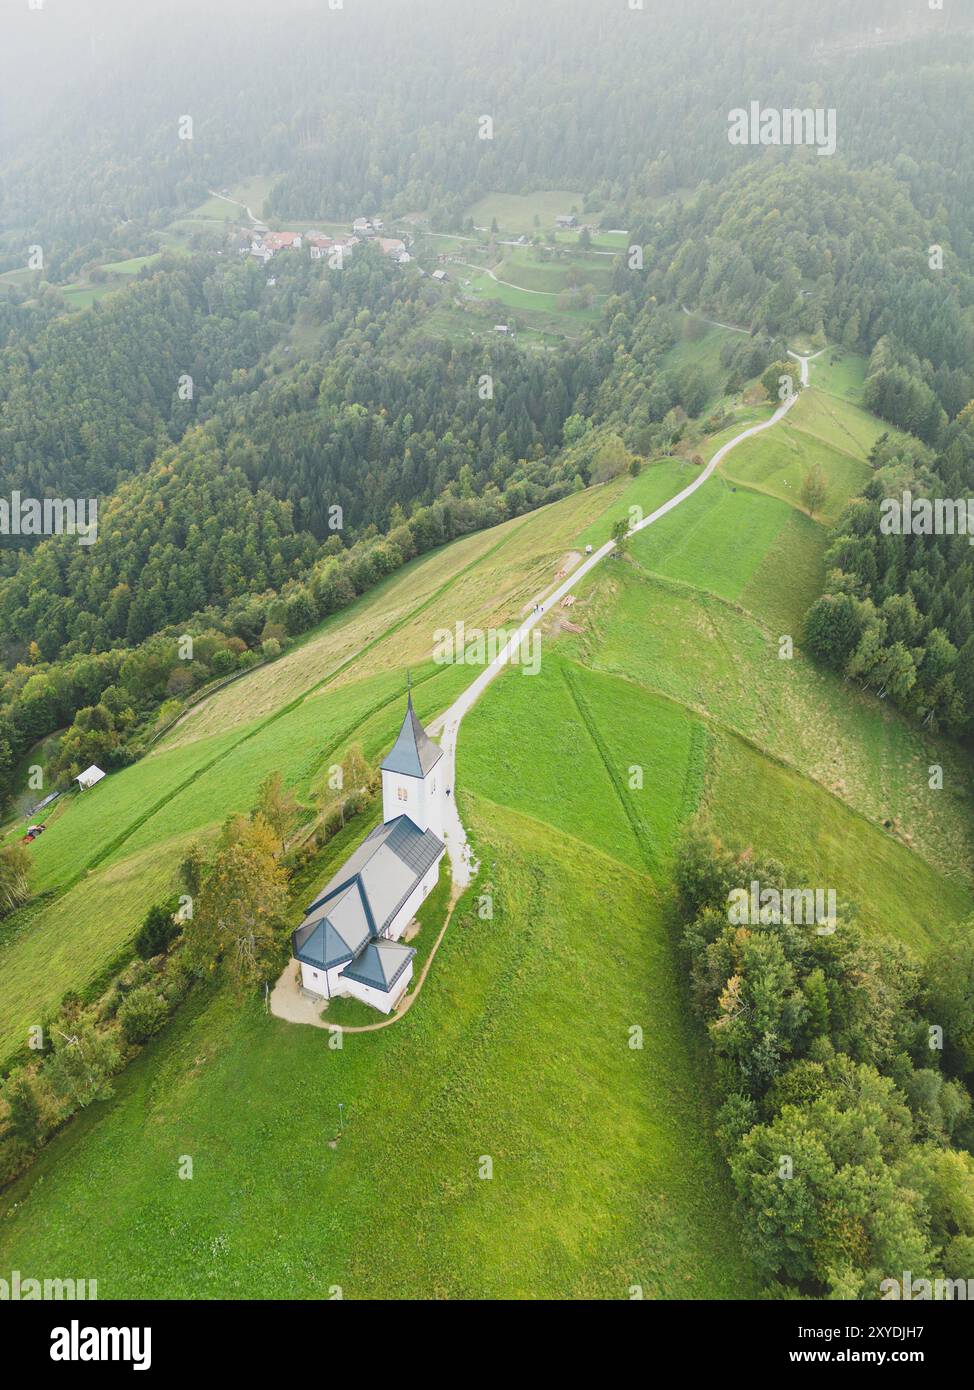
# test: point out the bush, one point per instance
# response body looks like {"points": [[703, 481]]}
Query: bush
{"points": [[142, 1015], [224, 661], [158, 931]]}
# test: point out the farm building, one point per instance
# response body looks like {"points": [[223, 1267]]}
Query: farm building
{"points": [[89, 777], [349, 942], [283, 241], [568, 220], [322, 246]]}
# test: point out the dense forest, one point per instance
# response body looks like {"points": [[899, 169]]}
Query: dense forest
{"points": [[897, 615], [242, 469]]}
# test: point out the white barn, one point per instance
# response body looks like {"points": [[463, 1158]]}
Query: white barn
{"points": [[349, 942], [89, 777]]}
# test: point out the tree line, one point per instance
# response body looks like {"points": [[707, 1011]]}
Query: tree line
{"points": [[844, 1066]]}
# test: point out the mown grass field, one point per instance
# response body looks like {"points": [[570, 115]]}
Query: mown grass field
{"points": [[522, 266], [715, 658], [718, 538], [515, 213], [779, 468], [478, 285], [662, 702], [839, 373], [595, 756], [752, 800], [249, 193]]}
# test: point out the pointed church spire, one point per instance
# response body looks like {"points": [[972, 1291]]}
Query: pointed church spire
{"points": [[414, 753]]}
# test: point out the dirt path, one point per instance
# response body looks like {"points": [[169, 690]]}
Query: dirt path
{"points": [[485, 270], [224, 199]]}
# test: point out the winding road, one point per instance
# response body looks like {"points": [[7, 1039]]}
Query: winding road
{"points": [[446, 727]]}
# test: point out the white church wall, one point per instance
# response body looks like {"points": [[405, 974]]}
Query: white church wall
{"points": [[385, 1003], [435, 792], [418, 798], [403, 796], [322, 982]]}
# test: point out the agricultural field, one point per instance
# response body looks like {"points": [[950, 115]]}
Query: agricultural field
{"points": [[484, 287], [528, 268], [716, 658], [752, 799], [718, 538], [547, 287], [515, 213], [250, 193]]}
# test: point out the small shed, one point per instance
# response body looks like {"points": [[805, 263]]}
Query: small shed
{"points": [[89, 777]]}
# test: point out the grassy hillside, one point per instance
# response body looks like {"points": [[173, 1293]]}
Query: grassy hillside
{"points": [[662, 701], [343, 684], [604, 1172]]}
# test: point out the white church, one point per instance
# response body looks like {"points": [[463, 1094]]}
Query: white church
{"points": [[349, 942]]}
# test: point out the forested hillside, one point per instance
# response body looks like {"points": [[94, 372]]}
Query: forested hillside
{"points": [[325, 412]]}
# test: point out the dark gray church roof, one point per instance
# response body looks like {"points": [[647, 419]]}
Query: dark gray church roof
{"points": [[414, 753], [361, 900], [318, 941], [380, 964]]}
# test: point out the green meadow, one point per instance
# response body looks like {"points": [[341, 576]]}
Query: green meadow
{"points": [[515, 213], [523, 266], [700, 350], [841, 374], [603, 1171], [121, 842]]}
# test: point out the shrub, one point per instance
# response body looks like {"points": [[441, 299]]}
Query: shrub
{"points": [[157, 932], [142, 1015]]}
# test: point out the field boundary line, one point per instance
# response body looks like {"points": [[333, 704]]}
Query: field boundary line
{"points": [[642, 833]]}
